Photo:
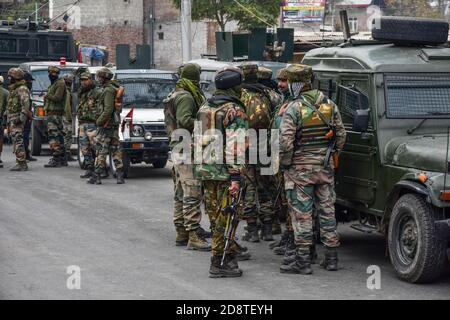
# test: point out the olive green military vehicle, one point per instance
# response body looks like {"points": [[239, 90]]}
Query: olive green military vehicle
{"points": [[394, 97]]}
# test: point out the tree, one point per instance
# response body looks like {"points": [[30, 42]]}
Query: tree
{"points": [[257, 13]]}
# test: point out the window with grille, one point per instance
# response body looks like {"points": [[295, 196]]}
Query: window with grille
{"points": [[417, 96]]}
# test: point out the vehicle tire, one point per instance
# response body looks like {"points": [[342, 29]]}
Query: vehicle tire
{"points": [[416, 253], [411, 31], [126, 165], [36, 140], [160, 164]]}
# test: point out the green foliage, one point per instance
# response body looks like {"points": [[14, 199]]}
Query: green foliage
{"points": [[223, 11]]}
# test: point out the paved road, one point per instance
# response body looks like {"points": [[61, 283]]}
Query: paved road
{"points": [[122, 239]]}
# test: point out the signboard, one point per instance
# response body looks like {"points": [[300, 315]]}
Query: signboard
{"points": [[299, 11]]}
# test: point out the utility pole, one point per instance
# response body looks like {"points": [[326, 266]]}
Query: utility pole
{"points": [[186, 31], [36, 11]]}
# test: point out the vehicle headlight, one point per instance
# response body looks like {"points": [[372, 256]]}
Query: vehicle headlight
{"points": [[148, 136], [138, 131]]}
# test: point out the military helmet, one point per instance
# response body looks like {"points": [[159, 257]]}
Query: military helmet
{"points": [[16, 73], [54, 69], [264, 73], [68, 78], [299, 73], [86, 75], [250, 71], [105, 73], [191, 71], [228, 77], [282, 74]]}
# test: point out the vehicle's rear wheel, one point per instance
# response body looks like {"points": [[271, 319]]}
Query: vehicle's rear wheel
{"points": [[411, 31], [416, 253], [36, 140], [159, 164]]}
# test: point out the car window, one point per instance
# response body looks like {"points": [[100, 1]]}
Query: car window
{"points": [[42, 82], [346, 100], [146, 94]]}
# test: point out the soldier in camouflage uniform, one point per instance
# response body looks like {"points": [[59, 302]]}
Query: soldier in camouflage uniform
{"points": [[3, 105], [309, 123], [67, 117], [187, 99], [108, 123], [18, 112], [222, 172], [87, 113], [54, 102], [258, 202]]}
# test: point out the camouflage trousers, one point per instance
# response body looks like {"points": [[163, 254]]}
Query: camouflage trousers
{"points": [[55, 129], [67, 132], [87, 137], [18, 145], [310, 187], [280, 201], [258, 202], [108, 143], [187, 199], [216, 197]]}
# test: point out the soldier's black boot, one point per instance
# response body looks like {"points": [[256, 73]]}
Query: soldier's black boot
{"points": [[301, 265], [266, 231], [88, 173], [281, 242], [182, 237], [216, 270], [289, 246], [314, 255], [120, 179], [330, 262], [20, 166], [242, 253], [63, 160], [53, 163], [232, 261], [252, 232], [94, 179], [204, 234]]}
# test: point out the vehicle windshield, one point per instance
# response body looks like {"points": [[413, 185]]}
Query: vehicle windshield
{"points": [[418, 96], [146, 94], [42, 82]]}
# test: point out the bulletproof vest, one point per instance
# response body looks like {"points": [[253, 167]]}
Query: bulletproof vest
{"points": [[170, 110], [101, 104], [87, 110], [258, 108], [56, 106], [313, 130], [14, 106]]}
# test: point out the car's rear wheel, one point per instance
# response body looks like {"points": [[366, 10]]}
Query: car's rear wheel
{"points": [[415, 251], [36, 140]]}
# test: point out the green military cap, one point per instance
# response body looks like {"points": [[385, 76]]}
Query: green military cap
{"points": [[250, 71], [86, 76], [54, 69], [264, 73], [191, 71], [105, 73], [282, 74], [299, 73]]}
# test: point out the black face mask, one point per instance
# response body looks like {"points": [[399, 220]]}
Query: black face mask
{"points": [[52, 78]]}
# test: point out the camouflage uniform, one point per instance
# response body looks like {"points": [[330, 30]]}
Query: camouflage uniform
{"points": [[17, 111], [260, 103], [3, 105], [87, 113], [108, 130], [54, 107], [187, 189], [229, 118], [67, 117], [308, 184]]}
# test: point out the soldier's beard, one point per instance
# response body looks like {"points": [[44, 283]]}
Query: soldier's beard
{"points": [[295, 88]]}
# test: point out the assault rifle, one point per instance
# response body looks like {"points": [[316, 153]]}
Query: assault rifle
{"points": [[232, 222]]}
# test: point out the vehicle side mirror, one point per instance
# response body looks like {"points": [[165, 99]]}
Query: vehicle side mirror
{"points": [[361, 120]]}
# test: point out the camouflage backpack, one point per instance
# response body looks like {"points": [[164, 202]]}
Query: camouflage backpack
{"points": [[170, 110], [258, 106]]}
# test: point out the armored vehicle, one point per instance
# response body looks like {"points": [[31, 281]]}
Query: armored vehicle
{"points": [[394, 97]]}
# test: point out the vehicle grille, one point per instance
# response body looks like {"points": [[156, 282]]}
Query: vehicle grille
{"points": [[157, 130]]}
